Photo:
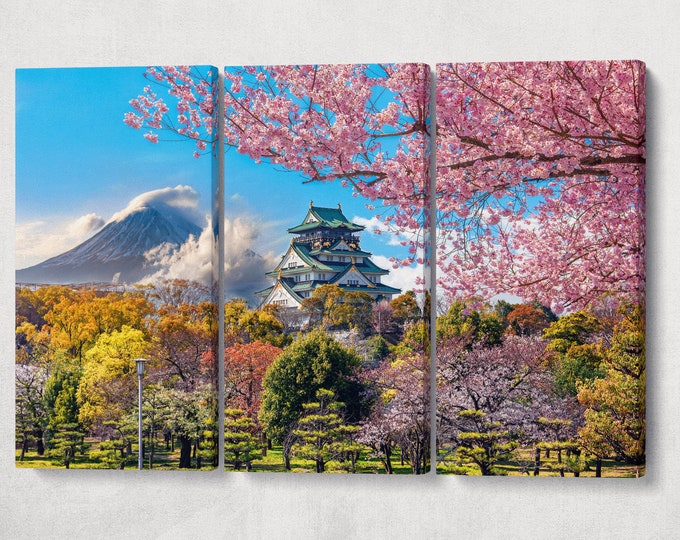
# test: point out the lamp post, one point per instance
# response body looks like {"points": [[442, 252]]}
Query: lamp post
{"points": [[140, 373]]}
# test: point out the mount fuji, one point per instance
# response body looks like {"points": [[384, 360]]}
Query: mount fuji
{"points": [[118, 253]]}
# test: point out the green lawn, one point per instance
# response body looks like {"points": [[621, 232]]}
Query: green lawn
{"points": [[163, 459], [524, 463], [273, 462], [169, 460]]}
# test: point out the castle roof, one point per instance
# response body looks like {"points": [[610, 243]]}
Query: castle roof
{"points": [[325, 250], [366, 265], [328, 218]]}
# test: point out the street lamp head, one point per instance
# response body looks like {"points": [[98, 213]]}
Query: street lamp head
{"points": [[140, 365]]}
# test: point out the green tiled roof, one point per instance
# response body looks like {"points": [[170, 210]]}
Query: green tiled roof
{"points": [[382, 288], [303, 252], [365, 266], [331, 218], [264, 292]]}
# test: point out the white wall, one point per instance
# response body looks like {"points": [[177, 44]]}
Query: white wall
{"points": [[108, 504]]}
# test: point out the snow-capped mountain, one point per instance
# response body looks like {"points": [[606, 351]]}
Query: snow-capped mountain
{"points": [[118, 253]]}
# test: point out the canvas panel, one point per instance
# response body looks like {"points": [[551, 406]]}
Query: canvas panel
{"points": [[326, 189], [115, 258], [541, 268]]}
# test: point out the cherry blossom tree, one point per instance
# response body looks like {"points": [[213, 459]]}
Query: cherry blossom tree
{"points": [[193, 92], [540, 166], [401, 414], [365, 126], [540, 180], [490, 399]]}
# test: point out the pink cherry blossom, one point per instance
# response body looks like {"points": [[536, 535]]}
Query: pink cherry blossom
{"points": [[193, 96], [542, 170], [540, 166]]}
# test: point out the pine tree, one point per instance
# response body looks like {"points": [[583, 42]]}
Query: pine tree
{"points": [[241, 446], [322, 433], [67, 442]]}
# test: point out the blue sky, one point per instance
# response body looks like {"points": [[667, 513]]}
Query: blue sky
{"points": [[279, 196], [262, 201], [266, 200], [75, 157], [78, 163]]}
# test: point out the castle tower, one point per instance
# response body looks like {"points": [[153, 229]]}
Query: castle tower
{"points": [[325, 249]]}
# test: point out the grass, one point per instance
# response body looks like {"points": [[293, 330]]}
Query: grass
{"points": [[523, 462], [273, 462], [163, 459], [169, 460]]}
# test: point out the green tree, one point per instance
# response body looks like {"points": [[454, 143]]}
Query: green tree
{"points": [[405, 309], [65, 433], [108, 386], [579, 365], [242, 325], [576, 358], [575, 328], [67, 442], [115, 450], [61, 403], [481, 325], [241, 446], [322, 433], [331, 308], [312, 362], [379, 349], [359, 310], [503, 309], [416, 339], [615, 404], [482, 441], [324, 307], [559, 436], [190, 416]]}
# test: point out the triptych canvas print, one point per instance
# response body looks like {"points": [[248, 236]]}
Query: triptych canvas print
{"points": [[354, 281]]}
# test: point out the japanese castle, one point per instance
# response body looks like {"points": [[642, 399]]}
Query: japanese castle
{"points": [[324, 250]]}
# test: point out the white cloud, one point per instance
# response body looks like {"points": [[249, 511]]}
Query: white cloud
{"points": [[245, 260], [180, 199], [85, 225], [247, 256], [37, 241], [193, 260], [402, 277], [376, 227]]}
